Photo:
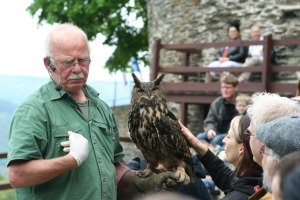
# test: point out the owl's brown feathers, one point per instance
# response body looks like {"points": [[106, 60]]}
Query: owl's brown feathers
{"points": [[154, 129]]}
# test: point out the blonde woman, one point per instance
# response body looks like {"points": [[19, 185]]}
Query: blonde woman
{"points": [[247, 176]]}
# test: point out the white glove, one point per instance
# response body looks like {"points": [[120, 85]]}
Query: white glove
{"points": [[66, 146], [77, 146]]}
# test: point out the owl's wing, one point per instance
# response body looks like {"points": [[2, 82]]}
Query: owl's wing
{"points": [[133, 127], [170, 134]]}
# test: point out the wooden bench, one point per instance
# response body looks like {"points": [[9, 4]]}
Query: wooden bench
{"points": [[185, 92]]}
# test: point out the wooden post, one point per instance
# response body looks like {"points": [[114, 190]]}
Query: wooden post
{"points": [[265, 76], [155, 60], [183, 115], [186, 63]]}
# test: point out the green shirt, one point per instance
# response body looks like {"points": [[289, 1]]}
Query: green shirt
{"points": [[41, 123]]}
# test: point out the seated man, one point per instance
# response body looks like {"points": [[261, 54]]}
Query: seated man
{"points": [[221, 112], [255, 54]]}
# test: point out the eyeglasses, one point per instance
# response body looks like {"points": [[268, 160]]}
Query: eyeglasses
{"points": [[262, 151], [82, 62], [247, 132]]}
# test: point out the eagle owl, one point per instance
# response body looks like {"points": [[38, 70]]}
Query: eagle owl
{"points": [[154, 130]]}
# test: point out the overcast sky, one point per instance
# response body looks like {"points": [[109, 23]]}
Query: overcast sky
{"points": [[22, 45]]}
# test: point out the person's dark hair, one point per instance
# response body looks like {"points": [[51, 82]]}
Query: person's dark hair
{"points": [[230, 79], [246, 164], [235, 25]]}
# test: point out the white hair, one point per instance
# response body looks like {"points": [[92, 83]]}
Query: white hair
{"points": [[267, 171], [266, 107], [62, 27]]}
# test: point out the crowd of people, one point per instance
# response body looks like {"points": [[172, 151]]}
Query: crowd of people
{"points": [[64, 142]]}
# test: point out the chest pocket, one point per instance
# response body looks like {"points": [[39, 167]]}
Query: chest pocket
{"points": [[104, 134], [60, 134]]}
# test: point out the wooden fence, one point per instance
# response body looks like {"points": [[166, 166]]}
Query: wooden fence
{"points": [[186, 92]]}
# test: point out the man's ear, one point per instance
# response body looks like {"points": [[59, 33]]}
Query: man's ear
{"points": [[47, 64]]}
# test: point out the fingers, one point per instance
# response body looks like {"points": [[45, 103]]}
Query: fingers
{"points": [[65, 144], [78, 147], [66, 149]]}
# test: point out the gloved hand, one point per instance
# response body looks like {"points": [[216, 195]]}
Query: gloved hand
{"points": [[66, 146], [155, 182], [77, 146]]}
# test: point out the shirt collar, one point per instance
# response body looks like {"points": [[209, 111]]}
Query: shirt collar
{"points": [[54, 94]]}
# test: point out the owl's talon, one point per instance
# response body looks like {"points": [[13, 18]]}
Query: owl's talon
{"points": [[181, 176], [144, 173]]}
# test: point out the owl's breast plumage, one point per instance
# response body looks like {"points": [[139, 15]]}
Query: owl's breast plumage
{"points": [[144, 131]]}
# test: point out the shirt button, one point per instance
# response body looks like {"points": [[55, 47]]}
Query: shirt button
{"points": [[104, 179], [99, 160], [113, 138], [94, 141]]}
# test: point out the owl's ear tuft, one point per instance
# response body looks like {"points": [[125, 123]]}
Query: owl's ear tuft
{"points": [[158, 80], [136, 80]]}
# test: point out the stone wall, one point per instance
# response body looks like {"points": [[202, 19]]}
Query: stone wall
{"points": [[121, 116], [188, 21]]}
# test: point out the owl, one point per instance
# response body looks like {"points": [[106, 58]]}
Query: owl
{"points": [[155, 131]]}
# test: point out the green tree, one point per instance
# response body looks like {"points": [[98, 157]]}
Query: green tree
{"points": [[111, 18]]}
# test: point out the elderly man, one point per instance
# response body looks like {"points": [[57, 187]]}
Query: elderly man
{"points": [[65, 111], [266, 107], [255, 54], [279, 137], [280, 172]]}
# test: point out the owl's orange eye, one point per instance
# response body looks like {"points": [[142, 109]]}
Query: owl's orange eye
{"points": [[155, 89], [140, 90]]}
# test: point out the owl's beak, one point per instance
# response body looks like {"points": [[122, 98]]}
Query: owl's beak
{"points": [[149, 94]]}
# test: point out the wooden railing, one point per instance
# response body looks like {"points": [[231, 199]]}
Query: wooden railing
{"points": [[186, 92], [4, 186]]}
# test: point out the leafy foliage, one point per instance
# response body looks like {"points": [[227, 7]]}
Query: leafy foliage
{"points": [[108, 17]]}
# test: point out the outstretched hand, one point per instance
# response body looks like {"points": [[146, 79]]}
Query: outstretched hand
{"points": [[187, 134], [198, 146]]}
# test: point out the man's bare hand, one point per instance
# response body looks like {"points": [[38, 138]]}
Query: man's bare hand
{"points": [[211, 134]]}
